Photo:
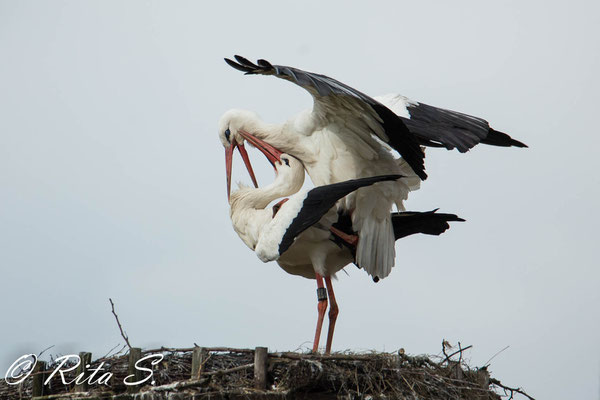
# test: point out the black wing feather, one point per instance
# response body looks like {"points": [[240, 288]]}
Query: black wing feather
{"points": [[237, 66], [319, 201], [438, 127]]}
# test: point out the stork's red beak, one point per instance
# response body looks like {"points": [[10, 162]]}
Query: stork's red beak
{"points": [[229, 162], [269, 151]]}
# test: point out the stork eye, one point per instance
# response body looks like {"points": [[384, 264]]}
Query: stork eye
{"points": [[227, 134], [286, 161]]}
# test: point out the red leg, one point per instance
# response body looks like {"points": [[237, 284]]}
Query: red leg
{"points": [[352, 240], [333, 313], [321, 308]]}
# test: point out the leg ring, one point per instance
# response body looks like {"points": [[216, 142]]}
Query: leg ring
{"points": [[321, 294]]}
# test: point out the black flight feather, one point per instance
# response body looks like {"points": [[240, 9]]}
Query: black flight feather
{"points": [[438, 127], [319, 201]]}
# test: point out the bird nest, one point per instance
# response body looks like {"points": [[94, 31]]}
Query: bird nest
{"points": [[230, 374]]}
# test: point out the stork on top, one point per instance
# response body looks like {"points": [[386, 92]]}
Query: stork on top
{"points": [[349, 135], [305, 234]]}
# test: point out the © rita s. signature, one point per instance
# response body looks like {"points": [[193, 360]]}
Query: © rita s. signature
{"points": [[24, 366]]}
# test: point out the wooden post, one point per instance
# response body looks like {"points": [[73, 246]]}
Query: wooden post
{"points": [[85, 359], [455, 370], [261, 356], [135, 354], [199, 357], [38, 379]]}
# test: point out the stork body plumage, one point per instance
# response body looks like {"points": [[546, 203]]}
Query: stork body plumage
{"points": [[349, 135]]}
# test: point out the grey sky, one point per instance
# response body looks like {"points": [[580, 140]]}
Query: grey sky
{"points": [[112, 179]]}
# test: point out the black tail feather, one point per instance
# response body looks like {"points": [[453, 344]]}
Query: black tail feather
{"points": [[497, 138], [404, 223], [429, 223]]}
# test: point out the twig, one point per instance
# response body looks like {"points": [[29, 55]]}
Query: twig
{"points": [[45, 350], [210, 349], [303, 343], [412, 387], [118, 323], [179, 385], [486, 364], [511, 390], [199, 382], [110, 351], [460, 350], [444, 344], [324, 357], [230, 370]]}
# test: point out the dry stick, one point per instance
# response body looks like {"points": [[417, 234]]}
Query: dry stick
{"points": [[201, 381], [118, 323], [486, 364], [291, 355], [179, 385], [325, 357], [412, 387], [460, 350], [45, 350], [511, 390], [110, 351], [229, 370], [188, 349], [444, 349]]}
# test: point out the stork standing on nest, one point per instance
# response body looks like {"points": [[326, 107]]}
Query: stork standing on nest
{"points": [[305, 233], [349, 135]]}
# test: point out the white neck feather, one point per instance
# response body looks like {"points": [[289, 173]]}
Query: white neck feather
{"points": [[259, 198]]}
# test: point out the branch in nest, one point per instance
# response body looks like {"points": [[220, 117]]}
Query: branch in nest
{"points": [[118, 323], [444, 344], [229, 370], [460, 350], [511, 390]]}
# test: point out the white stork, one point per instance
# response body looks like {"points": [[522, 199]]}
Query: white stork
{"points": [[305, 234], [349, 135]]}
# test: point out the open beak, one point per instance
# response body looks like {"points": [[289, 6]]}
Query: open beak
{"points": [[229, 162], [272, 154], [269, 151]]}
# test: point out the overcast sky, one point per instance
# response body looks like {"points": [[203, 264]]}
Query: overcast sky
{"points": [[112, 180]]}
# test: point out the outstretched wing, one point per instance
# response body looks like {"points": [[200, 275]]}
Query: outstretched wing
{"points": [[336, 101], [303, 210], [438, 127]]}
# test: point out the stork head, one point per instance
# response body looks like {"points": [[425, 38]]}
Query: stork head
{"points": [[234, 128], [290, 173], [235, 120]]}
